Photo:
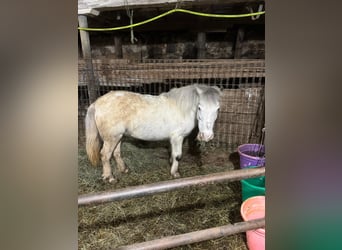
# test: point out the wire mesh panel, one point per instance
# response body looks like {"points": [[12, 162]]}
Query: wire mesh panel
{"points": [[242, 81]]}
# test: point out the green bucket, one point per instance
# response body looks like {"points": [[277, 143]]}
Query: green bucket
{"points": [[253, 187]]}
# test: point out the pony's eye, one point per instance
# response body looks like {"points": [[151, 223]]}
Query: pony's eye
{"points": [[199, 108]]}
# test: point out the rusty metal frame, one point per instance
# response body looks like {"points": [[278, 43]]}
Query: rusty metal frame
{"points": [[166, 186], [196, 236]]}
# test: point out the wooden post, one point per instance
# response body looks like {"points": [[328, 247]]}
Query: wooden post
{"points": [[86, 51], [238, 42], [201, 39], [118, 46], [85, 41]]}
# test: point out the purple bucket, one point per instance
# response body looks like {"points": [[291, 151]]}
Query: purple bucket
{"points": [[251, 155]]}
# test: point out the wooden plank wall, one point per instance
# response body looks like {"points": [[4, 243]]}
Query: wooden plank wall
{"points": [[124, 72]]}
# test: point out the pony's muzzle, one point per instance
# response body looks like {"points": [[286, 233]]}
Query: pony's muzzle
{"points": [[205, 137]]}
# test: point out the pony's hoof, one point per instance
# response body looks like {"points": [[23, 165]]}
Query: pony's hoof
{"points": [[124, 171], [110, 179], [176, 175]]}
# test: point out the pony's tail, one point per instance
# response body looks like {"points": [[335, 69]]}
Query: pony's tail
{"points": [[93, 140]]}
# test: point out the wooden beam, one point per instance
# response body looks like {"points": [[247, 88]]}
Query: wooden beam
{"points": [[89, 11], [240, 35], [118, 46], [85, 41], [84, 6], [118, 72], [86, 51], [201, 39]]}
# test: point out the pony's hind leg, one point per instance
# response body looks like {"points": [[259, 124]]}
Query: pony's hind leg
{"points": [[176, 154], [106, 153], [120, 163]]}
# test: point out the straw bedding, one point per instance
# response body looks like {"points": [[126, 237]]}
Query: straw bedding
{"points": [[136, 220]]}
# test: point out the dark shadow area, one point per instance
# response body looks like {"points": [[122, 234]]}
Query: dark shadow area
{"points": [[234, 215], [235, 159]]}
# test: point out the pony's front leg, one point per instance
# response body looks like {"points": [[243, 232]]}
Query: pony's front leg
{"points": [[176, 154]]}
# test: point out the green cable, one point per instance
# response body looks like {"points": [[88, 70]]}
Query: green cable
{"points": [[170, 12]]}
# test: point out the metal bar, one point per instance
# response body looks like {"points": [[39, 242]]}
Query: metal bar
{"points": [[197, 236], [165, 186]]}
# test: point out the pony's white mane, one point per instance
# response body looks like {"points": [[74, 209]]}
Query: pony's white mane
{"points": [[188, 97]]}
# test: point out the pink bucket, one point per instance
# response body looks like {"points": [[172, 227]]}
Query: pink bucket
{"points": [[251, 209]]}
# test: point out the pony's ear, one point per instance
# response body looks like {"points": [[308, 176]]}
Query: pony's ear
{"points": [[198, 90], [218, 90]]}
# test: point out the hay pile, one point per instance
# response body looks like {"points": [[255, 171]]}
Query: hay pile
{"points": [[152, 217]]}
